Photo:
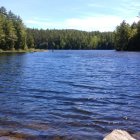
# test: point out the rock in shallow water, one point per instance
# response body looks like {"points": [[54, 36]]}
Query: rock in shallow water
{"points": [[119, 135], [136, 136]]}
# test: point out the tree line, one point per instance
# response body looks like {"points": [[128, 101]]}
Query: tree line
{"points": [[14, 36], [13, 33], [127, 37], [71, 39]]}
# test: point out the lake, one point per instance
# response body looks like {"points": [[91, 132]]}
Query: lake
{"points": [[78, 95]]}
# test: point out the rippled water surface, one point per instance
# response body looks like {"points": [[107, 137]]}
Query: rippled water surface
{"points": [[78, 95]]}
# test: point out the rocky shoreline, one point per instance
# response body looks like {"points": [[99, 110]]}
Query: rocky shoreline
{"points": [[114, 135], [122, 135]]}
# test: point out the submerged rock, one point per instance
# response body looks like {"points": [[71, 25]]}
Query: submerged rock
{"points": [[119, 135], [136, 136]]}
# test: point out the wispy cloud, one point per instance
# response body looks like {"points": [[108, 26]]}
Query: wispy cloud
{"points": [[101, 23], [87, 15], [101, 15], [129, 7]]}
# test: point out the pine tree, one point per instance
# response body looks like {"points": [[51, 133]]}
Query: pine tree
{"points": [[2, 34], [122, 36], [21, 34], [30, 41], [10, 33]]}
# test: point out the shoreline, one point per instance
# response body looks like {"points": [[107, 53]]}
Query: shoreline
{"points": [[23, 51], [114, 135]]}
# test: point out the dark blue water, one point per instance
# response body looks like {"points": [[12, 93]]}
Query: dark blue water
{"points": [[69, 94]]}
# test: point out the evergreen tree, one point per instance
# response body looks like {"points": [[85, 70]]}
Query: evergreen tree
{"points": [[14, 35], [10, 33], [123, 34], [30, 41], [21, 33], [2, 33], [3, 11]]}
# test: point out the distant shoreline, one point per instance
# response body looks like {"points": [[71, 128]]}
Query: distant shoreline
{"points": [[23, 51], [45, 50]]}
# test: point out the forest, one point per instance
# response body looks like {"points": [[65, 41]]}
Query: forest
{"points": [[14, 35]]}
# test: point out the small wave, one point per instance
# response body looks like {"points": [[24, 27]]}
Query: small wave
{"points": [[81, 110], [81, 85]]}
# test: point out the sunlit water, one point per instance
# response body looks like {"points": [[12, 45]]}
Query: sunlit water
{"points": [[78, 95]]}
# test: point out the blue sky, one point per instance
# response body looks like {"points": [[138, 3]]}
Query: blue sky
{"points": [[88, 15]]}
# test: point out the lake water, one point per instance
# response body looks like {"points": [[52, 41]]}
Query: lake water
{"points": [[78, 95]]}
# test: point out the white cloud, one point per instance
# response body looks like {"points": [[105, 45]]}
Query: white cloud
{"points": [[100, 22], [89, 19]]}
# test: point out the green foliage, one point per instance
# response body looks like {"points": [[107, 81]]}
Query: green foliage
{"points": [[12, 31], [94, 41], [71, 39], [30, 41], [21, 33], [3, 11], [123, 33], [127, 38], [10, 34], [15, 36], [2, 33]]}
